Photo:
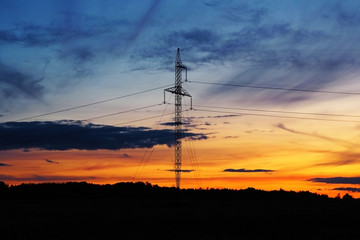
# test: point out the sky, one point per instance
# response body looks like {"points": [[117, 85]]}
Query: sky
{"points": [[274, 85]]}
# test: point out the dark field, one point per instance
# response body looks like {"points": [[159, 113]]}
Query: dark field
{"points": [[142, 211]]}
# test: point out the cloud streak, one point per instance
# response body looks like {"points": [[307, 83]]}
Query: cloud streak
{"points": [[333, 140]]}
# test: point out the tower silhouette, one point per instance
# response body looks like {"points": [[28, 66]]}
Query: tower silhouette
{"points": [[179, 92]]}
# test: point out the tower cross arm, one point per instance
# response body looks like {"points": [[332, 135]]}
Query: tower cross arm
{"points": [[177, 90]]}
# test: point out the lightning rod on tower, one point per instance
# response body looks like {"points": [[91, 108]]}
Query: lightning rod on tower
{"points": [[179, 92]]}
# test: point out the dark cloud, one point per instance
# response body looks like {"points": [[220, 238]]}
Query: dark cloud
{"points": [[243, 170], [173, 123], [4, 165], [51, 161], [182, 170], [68, 134], [15, 84], [337, 180], [348, 189]]}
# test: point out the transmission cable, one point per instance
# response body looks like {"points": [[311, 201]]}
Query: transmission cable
{"points": [[279, 116], [144, 159], [280, 111], [274, 88], [91, 104]]}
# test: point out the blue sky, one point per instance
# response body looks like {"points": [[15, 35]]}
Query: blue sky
{"points": [[78, 48]]}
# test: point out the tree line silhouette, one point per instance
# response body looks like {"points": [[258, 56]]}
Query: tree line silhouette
{"points": [[80, 210], [141, 189]]}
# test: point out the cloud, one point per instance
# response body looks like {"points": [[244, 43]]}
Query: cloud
{"points": [[4, 165], [348, 189], [51, 161], [337, 180], [182, 170], [15, 84], [68, 134], [243, 170]]}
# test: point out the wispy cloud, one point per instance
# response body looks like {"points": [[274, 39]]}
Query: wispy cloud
{"points": [[315, 135], [340, 158], [15, 84]]}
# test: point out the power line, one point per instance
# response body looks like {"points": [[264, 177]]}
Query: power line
{"points": [[275, 88], [280, 111], [279, 116], [141, 166], [90, 104], [127, 111]]}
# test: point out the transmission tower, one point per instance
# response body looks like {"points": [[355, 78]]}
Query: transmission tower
{"points": [[179, 92]]}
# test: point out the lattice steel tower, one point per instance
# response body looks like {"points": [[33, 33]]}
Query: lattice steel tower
{"points": [[179, 93]]}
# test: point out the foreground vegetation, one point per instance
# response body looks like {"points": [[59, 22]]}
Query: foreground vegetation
{"points": [[142, 211]]}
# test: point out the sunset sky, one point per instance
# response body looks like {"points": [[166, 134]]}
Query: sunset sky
{"points": [[81, 92]]}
